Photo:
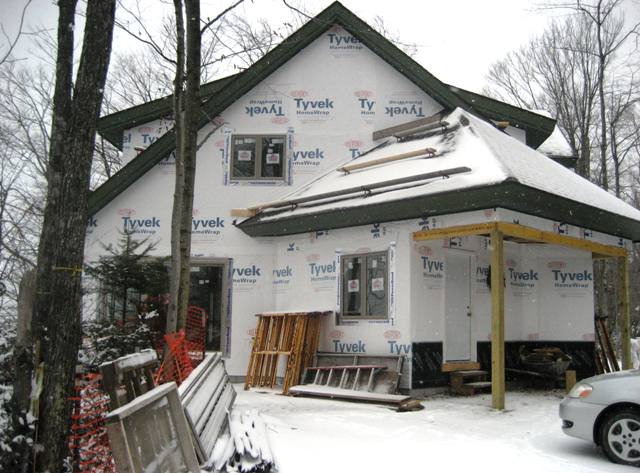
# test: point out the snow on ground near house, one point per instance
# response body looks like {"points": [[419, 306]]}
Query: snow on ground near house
{"points": [[451, 434]]}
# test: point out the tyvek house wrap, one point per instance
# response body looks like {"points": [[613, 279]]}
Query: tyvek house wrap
{"points": [[361, 94], [329, 98]]}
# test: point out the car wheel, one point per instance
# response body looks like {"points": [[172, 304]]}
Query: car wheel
{"points": [[620, 437]]}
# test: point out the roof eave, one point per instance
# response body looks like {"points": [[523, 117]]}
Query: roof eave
{"points": [[508, 195]]}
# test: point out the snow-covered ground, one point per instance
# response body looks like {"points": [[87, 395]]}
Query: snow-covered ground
{"points": [[455, 434]]}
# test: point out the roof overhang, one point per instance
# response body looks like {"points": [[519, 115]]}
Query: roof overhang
{"points": [[509, 194]]}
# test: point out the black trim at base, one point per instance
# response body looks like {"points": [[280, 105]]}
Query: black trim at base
{"points": [[582, 353], [426, 366]]}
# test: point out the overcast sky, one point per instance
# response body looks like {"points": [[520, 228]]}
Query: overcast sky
{"points": [[457, 39]]}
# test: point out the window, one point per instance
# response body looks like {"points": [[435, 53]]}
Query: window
{"points": [[258, 157], [365, 286]]}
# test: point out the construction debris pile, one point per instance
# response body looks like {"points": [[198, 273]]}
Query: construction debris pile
{"points": [[245, 448]]}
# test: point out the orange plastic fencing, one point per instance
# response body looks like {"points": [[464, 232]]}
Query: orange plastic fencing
{"points": [[88, 441], [196, 334], [177, 364]]}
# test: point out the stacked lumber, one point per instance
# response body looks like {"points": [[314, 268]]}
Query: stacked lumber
{"points": [[245, 448], [293, 335], [129, 377], [207, 396]]}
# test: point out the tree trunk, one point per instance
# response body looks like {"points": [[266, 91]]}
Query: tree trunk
{"points": [[187, 114], [23, 351], [602, 63], [57, 313], [178, 101]]}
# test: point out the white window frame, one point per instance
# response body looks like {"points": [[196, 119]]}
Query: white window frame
{"points": [[257, 176], [363, 286]]}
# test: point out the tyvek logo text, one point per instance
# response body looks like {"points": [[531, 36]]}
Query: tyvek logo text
{"points": [[343, 42], [140, 225], [265, 107], [247, 275], [311, 157], [404, 108], [322, 272], [306, 107], [207, 226]]}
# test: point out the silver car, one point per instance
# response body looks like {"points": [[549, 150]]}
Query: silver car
{"points": [[605, 409]]}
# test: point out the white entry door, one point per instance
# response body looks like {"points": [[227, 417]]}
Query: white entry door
{"points": [[457, 307]]}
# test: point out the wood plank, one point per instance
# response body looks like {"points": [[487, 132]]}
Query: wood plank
{"points": [[608, 346], [391, 131], [425, 131], [523, 233], [333, 392], [455, 231], [497, 320], [244, 213], [425, 152], [532, 234], [459, 365], [570, 379], [602, 352], [625, 332]]}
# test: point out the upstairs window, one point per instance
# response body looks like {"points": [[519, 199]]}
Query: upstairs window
{"points": [[258, 157], [365, 286]]}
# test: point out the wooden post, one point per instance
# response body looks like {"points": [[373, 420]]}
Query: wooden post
{"points": [[625, 326], [570, 379], [497, 319]]}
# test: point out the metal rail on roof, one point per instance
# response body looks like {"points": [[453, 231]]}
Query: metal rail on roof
{"points": [[253, 210]]}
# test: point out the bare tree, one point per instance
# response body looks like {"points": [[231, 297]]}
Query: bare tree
{"points": [[573, 71], [57, 312], [12, 40], [553, 73]]}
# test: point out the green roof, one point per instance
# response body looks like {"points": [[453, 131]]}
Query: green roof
{"points": [[538, 127], [112, 126], [222, 93]]}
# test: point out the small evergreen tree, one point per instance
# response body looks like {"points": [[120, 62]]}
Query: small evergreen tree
{"points": [[127, 274]]}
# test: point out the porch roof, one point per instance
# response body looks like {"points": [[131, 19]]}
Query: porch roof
{"points": [[474, 166]]}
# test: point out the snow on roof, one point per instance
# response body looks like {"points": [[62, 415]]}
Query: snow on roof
{"points": [[556, 145], [492, 156]]}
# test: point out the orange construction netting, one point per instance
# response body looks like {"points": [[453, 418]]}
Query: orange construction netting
{"points": [[176, 364], [88, 441], [196, 334]]}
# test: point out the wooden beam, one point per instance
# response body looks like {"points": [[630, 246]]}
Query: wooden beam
{"points": [[449, 366], [243, 212], [523, 233], [532, 234], [391, 131], [625, 332], [426, 152], [497, 320], [457, 231]]}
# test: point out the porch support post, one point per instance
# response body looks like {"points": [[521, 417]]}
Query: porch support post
{"points": [[625, 329], [497, 319]]}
